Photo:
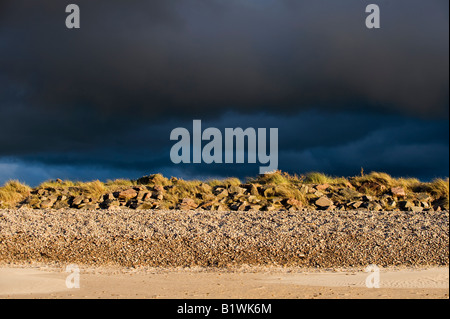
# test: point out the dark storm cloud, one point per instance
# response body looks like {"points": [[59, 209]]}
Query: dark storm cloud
{"points": [[162, 57], [334, 143], [108, 95]]}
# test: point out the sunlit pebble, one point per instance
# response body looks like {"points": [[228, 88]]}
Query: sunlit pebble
{"points": [[187, 238]]}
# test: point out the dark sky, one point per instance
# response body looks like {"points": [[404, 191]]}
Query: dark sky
{"points": [[100, 101]]}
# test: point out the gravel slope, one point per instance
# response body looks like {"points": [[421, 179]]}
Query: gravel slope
{"points": [[204, 238]]}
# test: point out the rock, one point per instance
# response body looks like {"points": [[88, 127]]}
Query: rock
{"points": [[292, 202], [218, 207], [367, 198], [349, 193], [270, 208], [46, 204], [253, 190], [147, 205], [109, 203], [127, 194], [404, 204], [425, 205], [110, 196], [159, 189], [415, 209], [77, 200], [276, 200], [423, 197], [236, 190], [324, 202], [355, 204], [253, 199], [398, 191], [220, 192], [187, 204], [322, 187], [443, 203], [374, 206], [88, 206], [254, 207], [61, 204], [318, 194]]}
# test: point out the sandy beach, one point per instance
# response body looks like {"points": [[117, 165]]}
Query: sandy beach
{"points": [[247, 282]]}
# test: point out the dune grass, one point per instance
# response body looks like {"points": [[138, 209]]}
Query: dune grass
{"points": [[276, 184], [13, 192]]}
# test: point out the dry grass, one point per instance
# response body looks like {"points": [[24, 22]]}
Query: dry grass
{"points": [[285, 191], [439, 188], [320, 178], [56, 184], [231, 181], [276, 178], [155, 179], [13, 192]]}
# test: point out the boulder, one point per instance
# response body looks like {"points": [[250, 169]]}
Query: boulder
{"points": [[236, 190], [187, 204], [423, 197], [294, 203], [127, 194], [398, 191], [46, 204], [349, 193], [324, 202], [322, 187]]}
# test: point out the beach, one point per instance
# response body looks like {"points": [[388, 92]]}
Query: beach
{"points": [[202, 254]]}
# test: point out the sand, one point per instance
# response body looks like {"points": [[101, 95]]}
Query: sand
{"points": [[191, 254], [18, 281]]}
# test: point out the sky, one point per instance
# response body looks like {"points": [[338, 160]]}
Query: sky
{"points": [[100, 102]]}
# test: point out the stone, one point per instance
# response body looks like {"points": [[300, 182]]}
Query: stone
{"points": [[322, 187], [318, 194], [253, 190], [142, 206], [367, 198], [89, 206], [415, 209], [292, 202], [236, 190], [425, 204], [127, 194], [349, 193], [77, 200], [404, 204], [61, 204], [187, 204], [220, 192], [423, 197], [355, 204], [109, 203], [323, 202], [270, 208], [374, 206], [46, 204], [398, 191], [253, 199]]}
